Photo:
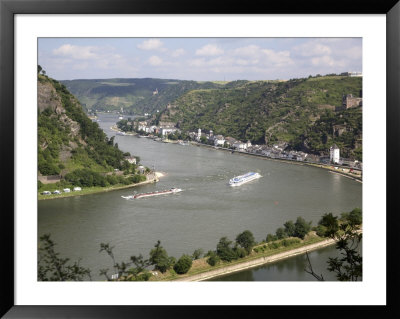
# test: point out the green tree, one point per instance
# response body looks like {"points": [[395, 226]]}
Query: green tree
{"points": [[225, 251], [330, 225], [246, 240], [197, 253], [183, 264], [270, 238], [159, 258], [213, 258], [280, 233], [348, 236], [353, 218], [301, 227], [51, 267], [290, 229], [123, 271]]}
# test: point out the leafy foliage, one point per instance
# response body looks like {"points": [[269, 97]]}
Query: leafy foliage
{"points": [[51, 267], [123, 270], [134, 95], [213, 259], [74, 146], [246, 240], [159, 258], [301, 227], [183, 264], [298, 111], [225, 251], [346, 232]]}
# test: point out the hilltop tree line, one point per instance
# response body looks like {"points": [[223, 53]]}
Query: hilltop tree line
{"points": [[345, 230]]}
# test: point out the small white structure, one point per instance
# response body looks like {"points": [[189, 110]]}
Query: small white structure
{"points": [[114, 277], [56, 192], [131, 159], [198, 134], [165, 131], [219, 140], [46, 193], [240, 146], [77, 188], [66, 190], [334, 154]]}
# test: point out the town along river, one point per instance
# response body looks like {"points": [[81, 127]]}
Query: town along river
{"points": [[198, 217]]}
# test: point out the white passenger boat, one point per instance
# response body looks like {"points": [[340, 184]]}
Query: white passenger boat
{"points": [[241, 179]]}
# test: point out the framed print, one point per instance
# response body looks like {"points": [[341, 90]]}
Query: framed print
{"points": [[268, 113]]}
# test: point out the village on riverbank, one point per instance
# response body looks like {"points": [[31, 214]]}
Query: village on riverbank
{"points": [[166, 133]]}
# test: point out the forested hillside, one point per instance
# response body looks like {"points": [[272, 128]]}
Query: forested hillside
{"points": [[299, 111], [135, 96], [68, 141]]}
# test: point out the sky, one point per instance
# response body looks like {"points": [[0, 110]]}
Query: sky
{"points": [[199, 59]]}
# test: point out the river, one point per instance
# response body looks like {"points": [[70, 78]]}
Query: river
{"points": [[198, 217]]}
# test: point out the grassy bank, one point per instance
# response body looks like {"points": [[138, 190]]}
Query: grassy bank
{"points": [[94, 190], [257, 257]]}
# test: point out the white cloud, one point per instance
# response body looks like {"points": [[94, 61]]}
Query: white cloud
{"points": [[155, 60], [247, 51], [178, 52], [278, 58], [327, 61], [313, 48], [76, 52], [209, 50], [151, 44]]}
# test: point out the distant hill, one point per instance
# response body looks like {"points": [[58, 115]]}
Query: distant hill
{"points": [[135, 96], [299, 111]]}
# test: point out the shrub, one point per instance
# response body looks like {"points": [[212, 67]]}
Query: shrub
{"points": [[213, 259], [246, 240], [302, 227], [183, 265], [354, 217], [321, 230], [197, 253], [241, 252], [280, 233], [270, 238], [275, 245]]}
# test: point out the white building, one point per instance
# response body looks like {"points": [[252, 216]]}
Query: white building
{"points": [[334, 154], [198, 134], [131, 159], [165, 131], [240, 146], [219, 140]]}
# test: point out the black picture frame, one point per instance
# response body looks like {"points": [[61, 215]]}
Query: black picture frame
{"points": [[9, 8]]}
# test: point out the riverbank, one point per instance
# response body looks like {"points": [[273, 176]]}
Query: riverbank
{"points": [[151, 178], [262, 254], [257, 262], [115, 129], [318, 165]]}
